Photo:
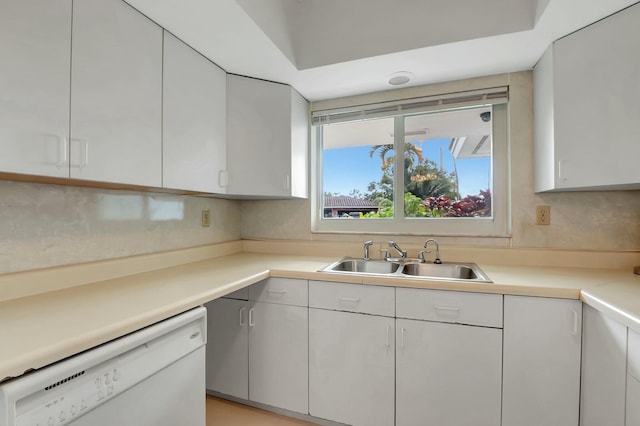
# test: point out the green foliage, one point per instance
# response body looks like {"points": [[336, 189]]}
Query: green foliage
{"points": [[383, 189], [385, 210], [427, 180], [413, 206], [428, 191]]}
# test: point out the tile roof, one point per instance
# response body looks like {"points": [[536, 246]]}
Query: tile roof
{"points": [[342, 201]]}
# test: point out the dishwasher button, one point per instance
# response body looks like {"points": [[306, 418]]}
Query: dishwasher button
{"points": [[83, 405], [116, 375], [73, 410]]}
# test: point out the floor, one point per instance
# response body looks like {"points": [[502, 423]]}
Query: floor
{"points": [[227, 413]]}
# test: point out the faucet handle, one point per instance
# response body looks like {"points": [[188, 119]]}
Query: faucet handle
{"points": [[387, 253], [421, 255]]}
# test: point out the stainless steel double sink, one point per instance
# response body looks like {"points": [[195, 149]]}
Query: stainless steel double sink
{"points": [[409, 268]]}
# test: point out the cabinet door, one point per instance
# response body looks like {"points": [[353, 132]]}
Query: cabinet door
{"points": [[541, 365], [604, 370], [259, 137], [596, 82], [227, 347], [447, 374], [351, 367], [194, 136], [633, 396], [116, 94], [278, 356], [35, 53], [633, 379]]}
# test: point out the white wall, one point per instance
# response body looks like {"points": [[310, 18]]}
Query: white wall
{"points": [[45, 225], [579, 220]]}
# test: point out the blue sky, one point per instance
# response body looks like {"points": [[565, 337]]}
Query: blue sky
{"points": [[351, 168]]}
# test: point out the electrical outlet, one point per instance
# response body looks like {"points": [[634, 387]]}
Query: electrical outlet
{"points": [[206, 219], [543, 215]]}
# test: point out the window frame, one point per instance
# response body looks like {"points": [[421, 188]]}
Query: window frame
{"points": [[499, 225]]}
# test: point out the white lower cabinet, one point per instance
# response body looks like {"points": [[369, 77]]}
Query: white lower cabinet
{"points": [[278, 356], [352, 353], [351, 367], [228, 347], [259, 350], [633, 379], [604, 370], [633, 396], [447, 374], [541, 365]]}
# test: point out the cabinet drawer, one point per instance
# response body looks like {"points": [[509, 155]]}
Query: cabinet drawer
{"points": [[286, 291], [450, 306], [367, 299]]}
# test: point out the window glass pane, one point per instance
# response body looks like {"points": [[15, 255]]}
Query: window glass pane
{"points": [[447, 164], [358, 169]]}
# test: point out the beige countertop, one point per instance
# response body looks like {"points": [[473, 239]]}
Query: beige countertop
{"points": [[39, 329]]}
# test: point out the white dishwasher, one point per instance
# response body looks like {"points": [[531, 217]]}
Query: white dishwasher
{"points": [[152, 377]]}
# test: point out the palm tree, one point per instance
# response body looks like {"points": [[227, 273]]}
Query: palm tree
{"points": [[412, 152]]}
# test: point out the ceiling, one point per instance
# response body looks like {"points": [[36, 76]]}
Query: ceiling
{"points": [[333, 48]]}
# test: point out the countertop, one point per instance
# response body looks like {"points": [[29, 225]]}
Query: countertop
{"points": [[39, 329]]}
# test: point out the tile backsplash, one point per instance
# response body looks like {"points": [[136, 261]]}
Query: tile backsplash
{"points": [[44, 225]]}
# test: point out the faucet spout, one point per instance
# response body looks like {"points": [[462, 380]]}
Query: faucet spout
{"points": [[426, 244], [401, 252]]}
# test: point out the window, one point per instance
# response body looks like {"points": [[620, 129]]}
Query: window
{"points": [[439, 169]]}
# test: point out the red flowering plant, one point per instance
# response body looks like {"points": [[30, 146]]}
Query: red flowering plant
{"points": [[469, 206]]}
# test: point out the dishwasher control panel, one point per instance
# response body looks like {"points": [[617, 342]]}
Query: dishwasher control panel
{"points": [[61, 393], [76, 396]]}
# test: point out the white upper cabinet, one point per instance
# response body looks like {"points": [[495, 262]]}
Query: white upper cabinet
{"points": [[194, 136], [116, 94], [267, 139], [586, 108], [35, 52]]}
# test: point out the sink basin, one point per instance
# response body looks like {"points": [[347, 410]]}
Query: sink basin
{"points": [[409, 268], [445, 270], [363, 266]]}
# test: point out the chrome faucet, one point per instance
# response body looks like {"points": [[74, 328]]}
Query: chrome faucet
{"points": [[422, 252], [403, 253], [367, 244]]}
